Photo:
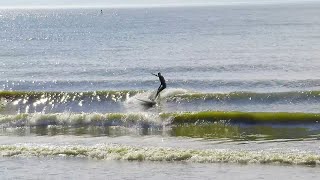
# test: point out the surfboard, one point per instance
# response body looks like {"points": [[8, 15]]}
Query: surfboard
{"points": [[147, 101]]}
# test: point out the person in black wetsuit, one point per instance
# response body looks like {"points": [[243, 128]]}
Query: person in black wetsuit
{"points": [[163, 84]]}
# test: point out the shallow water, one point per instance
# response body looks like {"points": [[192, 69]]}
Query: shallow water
{"points": [[70, 168]]}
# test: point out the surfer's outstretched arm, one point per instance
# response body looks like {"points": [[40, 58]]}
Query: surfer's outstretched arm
{"points": [[154, 74]]}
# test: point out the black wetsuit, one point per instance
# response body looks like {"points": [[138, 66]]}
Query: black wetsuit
{"points": [[162, 86]]}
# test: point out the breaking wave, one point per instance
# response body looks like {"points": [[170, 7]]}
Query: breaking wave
{"points": [[120, 119], [131, 153]]}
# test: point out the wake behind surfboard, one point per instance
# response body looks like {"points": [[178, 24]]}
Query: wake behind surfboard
{"points": [[148, 102]]}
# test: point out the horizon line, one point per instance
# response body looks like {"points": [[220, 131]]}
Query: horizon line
{"points": [[119, 6]]}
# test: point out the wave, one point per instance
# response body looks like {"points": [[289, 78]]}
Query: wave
{"points": [[247, 117], [295, 96], [208, 125], [170, 101], [66, 96], [132, 153], [78, 119], [110, 119], [170, 94], [119, 82], [48, 102]]}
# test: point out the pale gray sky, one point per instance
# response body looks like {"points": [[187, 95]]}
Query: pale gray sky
{"points": [[112, 3]]}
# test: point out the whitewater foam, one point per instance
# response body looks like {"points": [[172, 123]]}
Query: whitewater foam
{"points": [[134, 153]]}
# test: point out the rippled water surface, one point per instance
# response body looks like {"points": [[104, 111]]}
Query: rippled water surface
{"points": [[242, 96]]}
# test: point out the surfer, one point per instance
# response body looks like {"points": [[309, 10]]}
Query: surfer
{"points": [[163, 84]]}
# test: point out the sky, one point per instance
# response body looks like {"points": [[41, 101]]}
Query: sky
{"points": [[133, 3]]}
